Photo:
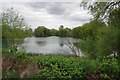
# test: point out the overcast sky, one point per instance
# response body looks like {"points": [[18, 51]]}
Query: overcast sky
{"points": [[50, 14]]}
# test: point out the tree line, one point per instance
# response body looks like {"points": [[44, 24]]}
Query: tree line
{"points": [[82, 32], [42, 31], [87, 29]]}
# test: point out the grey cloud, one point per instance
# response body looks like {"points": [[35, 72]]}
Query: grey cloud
{"points": [[56, 8], [37, 5], [63, 11], [53, 8], [51, 14], [80, 18]]}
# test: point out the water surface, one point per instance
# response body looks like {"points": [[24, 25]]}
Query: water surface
{"points": [[47, 45]]}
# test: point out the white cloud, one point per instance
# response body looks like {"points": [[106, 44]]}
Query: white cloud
{"points": [[51, 15]]}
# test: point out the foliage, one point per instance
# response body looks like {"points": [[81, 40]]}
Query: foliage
{"points": [[88, 47], [77, 32], [62, 66], [103, 40], [87, 29], [13, 28], [114, 21], [15, 64], [28, 32], [42, 31], [64, 32], [101, 10], [54, 66], [54, 32], [11, 74], [107, 41]]}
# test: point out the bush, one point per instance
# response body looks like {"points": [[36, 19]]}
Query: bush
{"points": [[10, 74], [53, 66], [65, 66], [109, 67]]}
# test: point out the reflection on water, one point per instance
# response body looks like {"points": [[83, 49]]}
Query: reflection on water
{"points": [[47, 45], [41, 43]]}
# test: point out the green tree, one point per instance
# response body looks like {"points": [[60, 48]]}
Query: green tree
{"points": [[54, 32], [64, 32], [28, 32], [107, 38], [90, 31], [101, 10], [107, 41], [87, 29], [39, 32], [61, 31], [42, 31], [114, 21], [77, 32], [68, 32], [12, 27]]}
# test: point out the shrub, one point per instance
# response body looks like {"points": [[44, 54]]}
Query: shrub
{"points": [[10, 74]]}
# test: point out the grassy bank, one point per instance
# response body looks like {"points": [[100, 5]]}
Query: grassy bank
{"points": [[23, 65]]}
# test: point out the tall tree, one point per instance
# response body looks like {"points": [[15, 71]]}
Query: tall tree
{"points": [[12, 27], [107, 37], [101, 10], [42, 31], [61, 31]]}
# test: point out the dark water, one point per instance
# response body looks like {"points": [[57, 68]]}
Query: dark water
{"points": [[47, 45]]}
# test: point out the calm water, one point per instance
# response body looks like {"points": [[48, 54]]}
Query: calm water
{"points": [[47, 45]]}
